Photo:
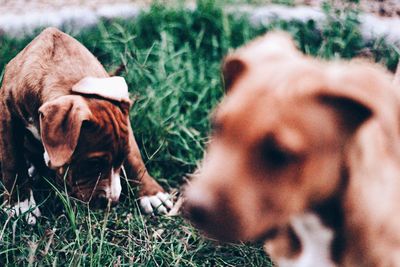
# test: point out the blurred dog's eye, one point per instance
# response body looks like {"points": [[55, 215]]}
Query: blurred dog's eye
{"points": [[274, 156]]}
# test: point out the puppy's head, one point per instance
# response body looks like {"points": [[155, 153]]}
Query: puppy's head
{"points": [[86, 141], [279, 137]]}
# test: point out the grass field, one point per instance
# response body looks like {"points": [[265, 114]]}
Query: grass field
{"points": [[173, 60]]}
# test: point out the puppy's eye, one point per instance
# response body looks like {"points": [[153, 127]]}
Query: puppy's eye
{"points": [[119, 159], [275, 156], [92, 167], [94, 164]]}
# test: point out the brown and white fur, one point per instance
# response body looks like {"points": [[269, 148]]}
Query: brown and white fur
{"points": [[307, 149], [63, 114]]}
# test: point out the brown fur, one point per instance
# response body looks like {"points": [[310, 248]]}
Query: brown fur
{"points": [[83, 134], [294, 133]]}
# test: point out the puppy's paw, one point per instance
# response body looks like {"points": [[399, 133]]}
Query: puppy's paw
{"points": [[27, 207], [160, 202]]}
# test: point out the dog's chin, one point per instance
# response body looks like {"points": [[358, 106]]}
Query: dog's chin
{"points": [[235, 237], [268, 235], [219, 234], [223, 235]]}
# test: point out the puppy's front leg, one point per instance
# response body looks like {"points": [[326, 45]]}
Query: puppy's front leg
{"points": [[152, 195], [18, 194]]}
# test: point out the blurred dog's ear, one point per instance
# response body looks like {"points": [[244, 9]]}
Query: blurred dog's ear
{"points": [[357, 91], [351, 113], [264, 49], [60, 126], [232, 68]]}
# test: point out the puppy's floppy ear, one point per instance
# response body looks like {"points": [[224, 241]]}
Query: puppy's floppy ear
{"points": [[232, 68], [351, 112], [60, 126]]}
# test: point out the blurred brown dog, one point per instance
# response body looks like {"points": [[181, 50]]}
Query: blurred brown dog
{"points": [[306, 143], [61, 111]]}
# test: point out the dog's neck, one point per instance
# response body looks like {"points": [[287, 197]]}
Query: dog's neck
{"points": [[332, 216]]}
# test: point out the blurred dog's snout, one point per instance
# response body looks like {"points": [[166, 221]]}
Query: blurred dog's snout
{"points": [[197, 213], [198, 206], [209, 211]]}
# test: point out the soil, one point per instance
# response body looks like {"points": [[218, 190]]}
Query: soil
{"points": [[25, 6], [384, 8]]}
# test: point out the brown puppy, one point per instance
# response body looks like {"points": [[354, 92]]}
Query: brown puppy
{"points": [[61, 109], [296, 135]]}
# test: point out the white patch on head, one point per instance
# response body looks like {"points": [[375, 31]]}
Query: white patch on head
{"points": [[114, 88], [114, 191], [34, 131], [23, 207], [315, 239], [160, 202], [46, 158]]}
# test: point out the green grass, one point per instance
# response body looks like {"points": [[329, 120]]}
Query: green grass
{"points": [[173, 61]]}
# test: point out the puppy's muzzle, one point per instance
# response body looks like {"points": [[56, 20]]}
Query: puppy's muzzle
{"points": [[101, 201], [108, 191]]}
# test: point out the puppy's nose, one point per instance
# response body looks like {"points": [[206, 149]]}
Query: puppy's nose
{"points": [[102, 201], [114, 201]]}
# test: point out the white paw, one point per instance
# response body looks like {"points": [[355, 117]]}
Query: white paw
{"points": [[160, 202], [27, 207]]}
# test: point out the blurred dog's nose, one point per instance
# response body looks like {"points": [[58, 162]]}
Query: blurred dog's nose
{"points": [[213, 221], [199, 206], [210, 212], [197, 213]]}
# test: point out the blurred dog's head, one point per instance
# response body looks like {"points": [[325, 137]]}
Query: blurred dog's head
{"points": [[86, 141], [279, 137]]}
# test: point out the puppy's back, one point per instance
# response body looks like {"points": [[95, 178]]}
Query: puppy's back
{"points": [[49, 66]]}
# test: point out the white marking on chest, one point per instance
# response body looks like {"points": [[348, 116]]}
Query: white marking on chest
{"points": [[315, 239], [23, 207]]}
